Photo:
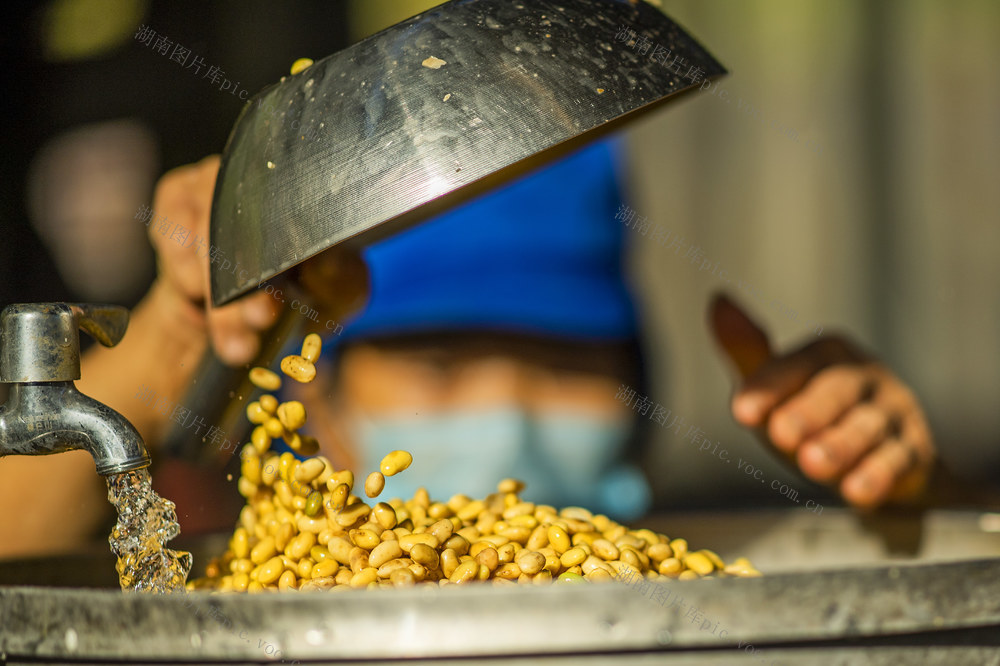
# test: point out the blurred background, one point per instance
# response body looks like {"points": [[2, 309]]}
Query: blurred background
{"points": [[844, 175]]}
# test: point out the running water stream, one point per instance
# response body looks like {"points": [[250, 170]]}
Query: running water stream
{"points": [[146, 522]]}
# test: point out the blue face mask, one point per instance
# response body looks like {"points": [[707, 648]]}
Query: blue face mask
{"points": [[565, 459]]}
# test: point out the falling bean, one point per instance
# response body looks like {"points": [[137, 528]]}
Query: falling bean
{"points": [[298, 368], [395, 462], [311, 346], [265, 379], [374, 484]]}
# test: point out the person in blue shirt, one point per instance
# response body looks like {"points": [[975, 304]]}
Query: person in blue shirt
{"points": [[492, 341], [493, 344]]}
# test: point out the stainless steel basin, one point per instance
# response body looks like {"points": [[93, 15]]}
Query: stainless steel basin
{"points": [[834, 593]]}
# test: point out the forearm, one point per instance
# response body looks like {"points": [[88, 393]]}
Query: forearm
{"points": [[157, 357]]}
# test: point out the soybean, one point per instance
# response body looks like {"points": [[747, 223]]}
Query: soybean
{"points": [[374, 484], [298, 368], [265, 379], [302, 529]]}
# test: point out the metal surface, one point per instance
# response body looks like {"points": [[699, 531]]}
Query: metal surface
{"points": [[44, 413], [369, 140], [39, 342], [901, 606]]}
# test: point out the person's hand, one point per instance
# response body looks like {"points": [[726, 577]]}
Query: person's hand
{"points": [[841, 416], [184, 196]]}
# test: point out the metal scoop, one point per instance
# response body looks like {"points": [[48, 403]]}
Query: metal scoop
{"points": [[433, 110]]}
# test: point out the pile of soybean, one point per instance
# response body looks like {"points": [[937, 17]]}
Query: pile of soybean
{"points": [[305, 528]]}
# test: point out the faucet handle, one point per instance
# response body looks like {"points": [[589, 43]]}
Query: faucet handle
{"points": [[105, 323], [40, 342]]}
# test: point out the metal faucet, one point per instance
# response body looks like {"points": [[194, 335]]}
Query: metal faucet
{"points": [[45, 413]]}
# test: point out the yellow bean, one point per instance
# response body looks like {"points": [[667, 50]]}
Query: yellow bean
{"points": [[286, 581], [458, 543], [385, 551], [698, 563], [268, 403], [507, 552], [442, 530], [402, 578], [670, 567], [374, 484], [518, 533], [282, 536], [325, 568], [340, 549], [309, 470], [344, 476], [271, 570], [292, 415], [263, 551], [407, 542], [713, 558], [573, 556], [364, 539], [314, 525], [359, 559], [256, 413], [542, 577], [240, 543], [387, 568], [530, 522], [659, 552], [246, 487], [352, 514], [470, 510], [488, 557], [423, 554], [530, 562], [449, 562], [304, 569], [298, 368], [385, 515], [508, 571], [598, 575], [395, 462], [364, 577], [300, 545], [301, 65], [605, 549], [273, 428], [510, 486], [464, 572], [338, 496], [680, 547], [320, 553], [629, 556], [558, 539], [260, 439], [539, 538], [313, 344], [265, 379]]}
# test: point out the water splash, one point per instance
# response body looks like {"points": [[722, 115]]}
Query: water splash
{"points": [[146, 522]]}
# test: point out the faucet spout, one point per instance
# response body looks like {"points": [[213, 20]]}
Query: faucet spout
{"points": [[41, 418]]}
